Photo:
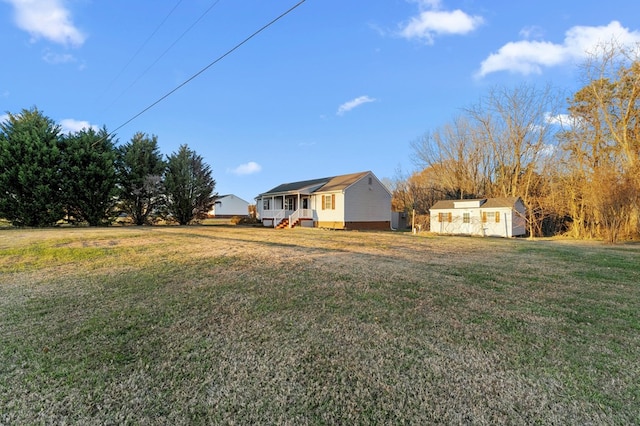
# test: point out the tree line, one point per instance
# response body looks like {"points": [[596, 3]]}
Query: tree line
{"points": [[47, 177], [578, 172]]}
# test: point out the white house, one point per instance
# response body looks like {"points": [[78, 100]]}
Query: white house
{"points": [[229, 206], [353, 201], [496, 217]]}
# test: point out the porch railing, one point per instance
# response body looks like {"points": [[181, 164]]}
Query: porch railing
{"points": [[299, 214], [278, 217]]}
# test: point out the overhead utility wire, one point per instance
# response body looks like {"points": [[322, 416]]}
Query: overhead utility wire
{"points": [[135, 55], [227, 53], [166, 51]]}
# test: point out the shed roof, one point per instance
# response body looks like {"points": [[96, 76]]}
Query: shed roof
{"points": [[219, 197], [500, 202], [485, 203]]}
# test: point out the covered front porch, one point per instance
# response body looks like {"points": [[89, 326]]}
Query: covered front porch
{"points": [[285, 210]]}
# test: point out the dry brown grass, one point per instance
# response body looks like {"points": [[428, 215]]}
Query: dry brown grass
{"points": [[235, 325]]}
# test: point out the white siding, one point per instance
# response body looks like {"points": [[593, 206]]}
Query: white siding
{"points": [[502, 228], [367, 202], [329, 215], [230, 206], [463, 204], [457, 224], [510, 224]]}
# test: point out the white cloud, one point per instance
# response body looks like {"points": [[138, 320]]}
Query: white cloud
{"points": [[58, 58], [348, 106], [566, 121], [558, 119], [524, 57], [69, 125], [530, 57], [548, 150], [247, 168], [432, 22], [49, 19], [530, 32]]}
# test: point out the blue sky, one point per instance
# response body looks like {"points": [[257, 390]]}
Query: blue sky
{"points": [[333, 87]]}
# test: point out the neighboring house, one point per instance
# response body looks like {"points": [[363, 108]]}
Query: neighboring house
{"points": [[228, 206], [353, 201], [495, 217]]}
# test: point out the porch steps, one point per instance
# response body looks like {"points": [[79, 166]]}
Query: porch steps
{"points": [[285, 224]]}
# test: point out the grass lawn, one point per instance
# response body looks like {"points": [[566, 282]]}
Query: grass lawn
{"points": [[239, 325]]}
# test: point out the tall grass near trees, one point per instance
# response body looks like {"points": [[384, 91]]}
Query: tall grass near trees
{"points": [[188, 325]]}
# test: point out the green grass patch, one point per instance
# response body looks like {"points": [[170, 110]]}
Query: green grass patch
{"points": [[220, 325]]}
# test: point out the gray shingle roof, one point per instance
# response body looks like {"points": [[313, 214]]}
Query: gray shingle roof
{"points": [[296, 186], [489, 203], [500, 202], [332, 183]]}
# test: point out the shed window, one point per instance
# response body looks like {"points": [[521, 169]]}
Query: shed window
{"points": [[466, 217], [490, 217], [445, 217]]}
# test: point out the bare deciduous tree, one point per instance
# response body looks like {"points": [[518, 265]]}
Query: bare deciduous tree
{"points": [[458, 159], [603, 144]]}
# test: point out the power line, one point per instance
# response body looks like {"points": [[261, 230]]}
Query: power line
{"points": [[227, 53], [166, 50], [135, 55]]}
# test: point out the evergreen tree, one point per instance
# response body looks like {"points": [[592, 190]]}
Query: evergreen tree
{"points": [[30, 170], [89, 176], [189, 186], [140, 168]]}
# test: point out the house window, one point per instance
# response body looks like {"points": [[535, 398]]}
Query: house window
{"points": [[370, 180], [497, 217], [449, 217], [266, 204], [328, 202], [466, 217], [440, 217], [484, 217], [288, 204]]}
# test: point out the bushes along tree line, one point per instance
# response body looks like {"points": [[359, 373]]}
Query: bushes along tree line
{"points": [[47, 176], [578, 173]]}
